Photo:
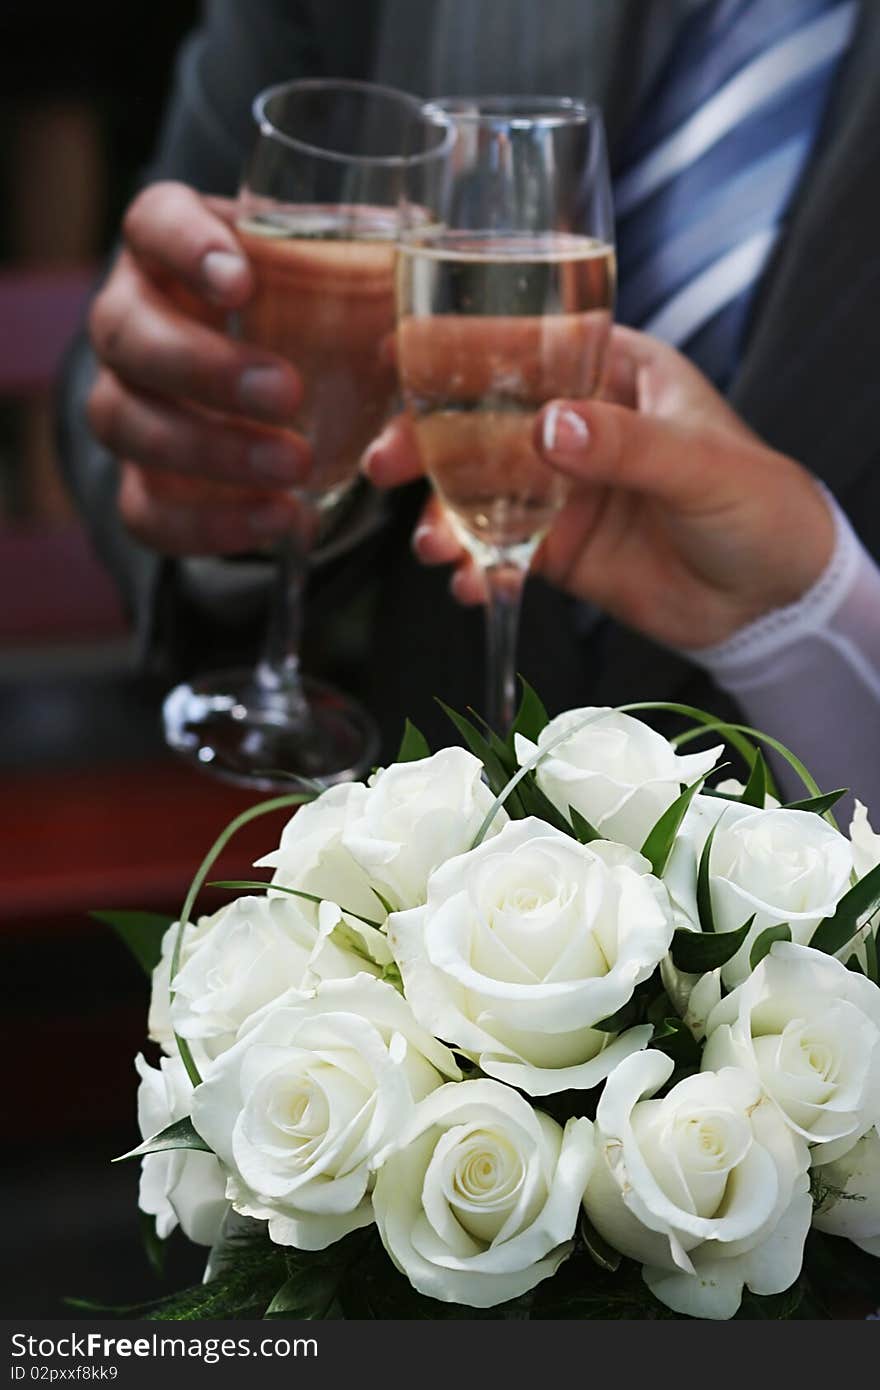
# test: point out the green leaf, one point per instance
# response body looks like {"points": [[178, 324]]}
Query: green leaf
{"points": [[182, 1134], [697, 952], [704, 885], [860, 902], [536, 803], [600, 1252], [413, 746], [658, 844], [819, 804], [677, 1041], [755, 793], [622, 1018], [502, 750], [582, 828], [780, 932], [142, 933], [855, 965], [254, 885], [531, 717], [309, 1293], [480, 747]]}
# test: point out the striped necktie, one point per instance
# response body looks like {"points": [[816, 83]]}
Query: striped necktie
{"points": [[707, 178]]}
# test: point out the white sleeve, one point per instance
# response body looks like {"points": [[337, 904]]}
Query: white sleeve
{"points": [[810, 673]]}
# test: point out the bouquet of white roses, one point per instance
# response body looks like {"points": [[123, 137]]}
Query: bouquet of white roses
{"points": [[549, 1027]]}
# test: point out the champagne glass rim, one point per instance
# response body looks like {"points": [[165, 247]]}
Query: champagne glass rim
{"points": [[519, 112], [407, 100]]}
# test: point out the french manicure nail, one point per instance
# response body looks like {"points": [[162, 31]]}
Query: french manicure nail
{"points": [[222, 271], [264, 390], [421, 535], [373, 453], [274, 461], [564, 432]]}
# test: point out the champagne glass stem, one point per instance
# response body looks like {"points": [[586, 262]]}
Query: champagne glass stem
{"points": [[505, 582], [278, 671]]}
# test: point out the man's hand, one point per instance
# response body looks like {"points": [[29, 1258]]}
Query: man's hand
{"points": [[680, 522], [197, 418]]}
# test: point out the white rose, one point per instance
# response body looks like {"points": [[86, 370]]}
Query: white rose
{"points": [[525, 944], [809, 1030], [159, 1025], [246, 955], [866, 856], [708, 1188], [416, 816], [865, 841], [313, 858], [776, 865], [850, 1206], [178, 1185], [616, 771], [298, 1109], [478, 1200]]}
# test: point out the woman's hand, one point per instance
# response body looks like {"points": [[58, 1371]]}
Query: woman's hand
{"points": [[197, 418], [680, 522]]}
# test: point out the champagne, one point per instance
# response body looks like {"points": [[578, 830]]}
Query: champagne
{"points": [[325, 300], [490, 327]]}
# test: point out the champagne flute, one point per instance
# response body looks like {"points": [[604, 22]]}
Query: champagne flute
{"points": [[318, 217], [504, 303]]}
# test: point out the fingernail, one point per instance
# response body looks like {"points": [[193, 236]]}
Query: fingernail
{"points": [[268, 520], [371, 459], [421, 537], [222, 271], [564, 431], [275, 461], [264, 390]]}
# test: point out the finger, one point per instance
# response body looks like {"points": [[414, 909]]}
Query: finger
{"points": [[172, 228], [468, 584], [145, 340], [182, 522], [654, 378], [691, 469], [393, 458], [434, 540], [161, 434]]}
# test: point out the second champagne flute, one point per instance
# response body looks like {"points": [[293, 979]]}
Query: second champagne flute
{"points": [[505, 303], [318, 218]]}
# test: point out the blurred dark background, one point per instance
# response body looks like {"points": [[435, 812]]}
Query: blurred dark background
{"points": [[93, 813]]}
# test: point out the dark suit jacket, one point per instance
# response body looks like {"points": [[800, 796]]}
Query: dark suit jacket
{"points": [[808, 382]]}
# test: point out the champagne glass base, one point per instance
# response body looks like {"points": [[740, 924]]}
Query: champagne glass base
{"points": [[227, 725]]}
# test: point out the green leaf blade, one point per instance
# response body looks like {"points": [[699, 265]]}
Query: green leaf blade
{"points": [[697, 952], [818, 804], [659, 841], [531, 717], [755, 793], [583, 829], [141, 932], [413, 746], [861, 902], [780, 932], [704, 885], [182, 1134]]}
